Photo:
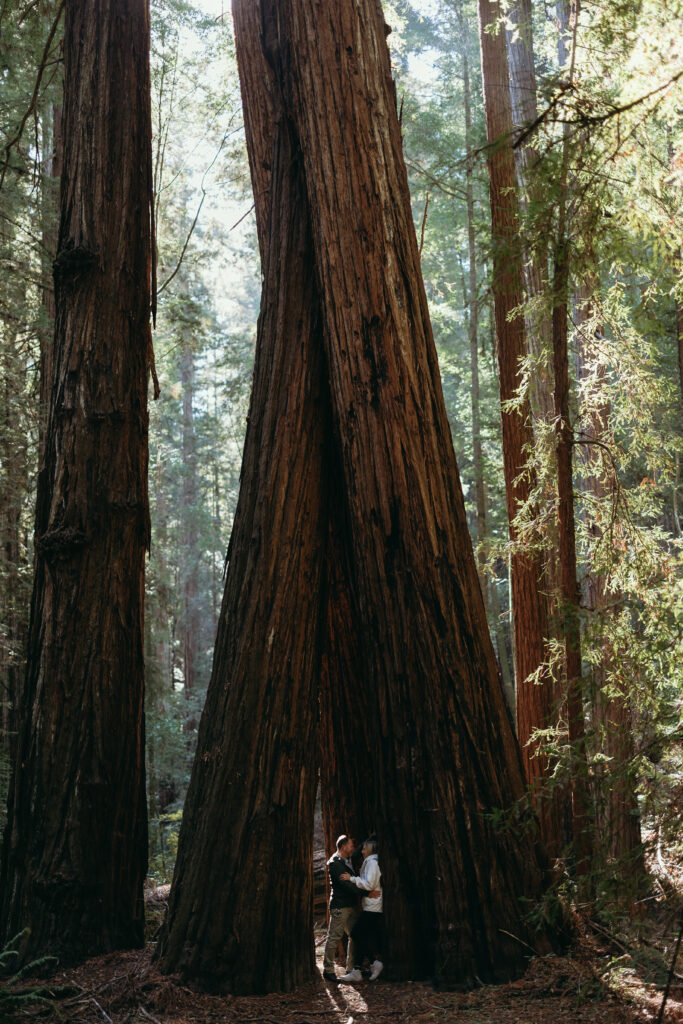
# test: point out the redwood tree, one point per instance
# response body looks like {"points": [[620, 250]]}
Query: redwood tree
{"points": [[437, 754], [529, 603], [75, 847]]}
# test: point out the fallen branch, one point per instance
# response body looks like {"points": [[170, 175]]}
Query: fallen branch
{"points": [[660, 1015]]}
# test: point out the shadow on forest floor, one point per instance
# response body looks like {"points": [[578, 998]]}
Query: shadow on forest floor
{"points": [[122, 988]]}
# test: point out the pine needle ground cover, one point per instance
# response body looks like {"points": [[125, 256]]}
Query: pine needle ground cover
{"points": [[584, 986]]}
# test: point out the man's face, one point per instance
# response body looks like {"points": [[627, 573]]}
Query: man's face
{"points": [[347, 849]]}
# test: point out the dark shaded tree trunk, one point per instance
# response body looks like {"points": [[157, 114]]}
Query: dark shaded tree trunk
{"points": [[438, 761], [413, 576], [50, 223], [529, 604], [240, 912], [75, 848]]}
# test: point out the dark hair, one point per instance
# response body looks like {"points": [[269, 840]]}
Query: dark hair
{"points": [[341, 841]]}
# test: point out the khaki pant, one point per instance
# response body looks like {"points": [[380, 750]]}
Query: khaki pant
{"points": [[341, 923]]}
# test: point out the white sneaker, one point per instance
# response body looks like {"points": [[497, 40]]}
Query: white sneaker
{"points": [[353, 975], [376, 969]]}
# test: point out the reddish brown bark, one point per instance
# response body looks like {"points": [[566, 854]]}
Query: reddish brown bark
{"points": [[437, 760], [242, 920], [529, 605], [75, 849], [415, 586]]}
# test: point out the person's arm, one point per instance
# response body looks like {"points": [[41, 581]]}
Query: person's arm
{"points": [[337, 870], [368, 878]]}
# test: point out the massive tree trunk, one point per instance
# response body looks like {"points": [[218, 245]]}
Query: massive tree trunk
{"points": [[529, 605], [75, 848], [240, 913], [435, 764], [414, 584]]}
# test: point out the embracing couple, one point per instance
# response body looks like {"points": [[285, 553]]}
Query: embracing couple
{"points": [[365, 927]]}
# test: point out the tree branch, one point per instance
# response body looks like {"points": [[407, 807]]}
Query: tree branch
{"points": [[36, 91]]}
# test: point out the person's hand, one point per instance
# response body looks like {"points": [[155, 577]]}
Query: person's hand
{"points": [[374, 893], [345, 877]]}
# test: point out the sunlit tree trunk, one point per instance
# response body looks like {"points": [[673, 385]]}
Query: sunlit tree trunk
{"points": [[477, 453], [75, 849], [522, 75], [529, 605]]}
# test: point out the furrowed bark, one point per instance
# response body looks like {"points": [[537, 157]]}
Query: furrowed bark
{"points": [[441, 728], [75, 848], [240, 912], [529, 604]]}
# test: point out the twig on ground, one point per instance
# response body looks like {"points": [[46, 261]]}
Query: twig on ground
{"points": [[105, 1015], [660, 1015], [149, 1016]]}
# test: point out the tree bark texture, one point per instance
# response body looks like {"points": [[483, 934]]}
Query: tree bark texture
{"points": [[240, 912], [522, 76], [437, 754], [420, 612], [346, 806], [75, 848], [529, 603]]}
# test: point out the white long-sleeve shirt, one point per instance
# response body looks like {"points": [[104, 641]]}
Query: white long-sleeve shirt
{"points": [[369, 879]]}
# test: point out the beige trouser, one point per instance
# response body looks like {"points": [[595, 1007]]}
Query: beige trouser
{"points": [[341, 922]]}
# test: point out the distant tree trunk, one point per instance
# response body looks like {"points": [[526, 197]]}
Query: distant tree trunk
{"points": [[50, 224], [617, 815], [75, 849], [522, 76], [477, 453], [529, 605], [190, 545], [569, 587]]}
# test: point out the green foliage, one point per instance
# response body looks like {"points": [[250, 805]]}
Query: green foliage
{"points": [[12, 1000]]}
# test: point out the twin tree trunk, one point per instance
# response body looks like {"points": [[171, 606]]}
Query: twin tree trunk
{"points": [[75, 847], [350, 546]]}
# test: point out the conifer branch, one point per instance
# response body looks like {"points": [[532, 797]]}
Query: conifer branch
{"points": [[34, 98]]}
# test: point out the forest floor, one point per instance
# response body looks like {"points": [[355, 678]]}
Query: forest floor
{"points": [[592, 984]]}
